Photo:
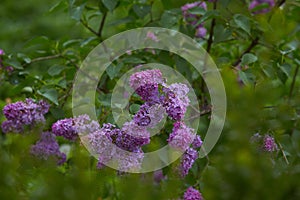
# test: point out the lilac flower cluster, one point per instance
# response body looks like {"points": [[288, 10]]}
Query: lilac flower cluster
{"points": [[193, 19], [181, 136], [21, 114], [70, 128], [48, 147], [192, 194], [267, 142], [266, 6], [129, 139], [174, 100], [8, 69]]}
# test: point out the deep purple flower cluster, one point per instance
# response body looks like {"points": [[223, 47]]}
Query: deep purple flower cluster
{"points": [[176, 100], [48, 147], [266, 6], [266, 143], [70, 128], [149, 93], [269, 144], [193, 19], [187, 161], [149, 115], [192, 194], [21, 114]]}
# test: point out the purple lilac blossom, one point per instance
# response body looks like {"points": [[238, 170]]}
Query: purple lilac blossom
{"points": [[192, 18], [48, 147], [187, 161], [192, 194], [197, 142], [149, 115], [149, 93], [200, 32], [24, 113], [128, 161], [142, 78], [269, 144], [70, 128], [158, 176], [181, 137], [176, 100], [1, 52], [253, 4]]}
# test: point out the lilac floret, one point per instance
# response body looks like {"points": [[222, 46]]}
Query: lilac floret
{"points": [[48, 147], [192, 194]]}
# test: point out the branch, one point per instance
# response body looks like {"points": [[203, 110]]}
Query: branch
{"points": [[251, 46], [211, 32], [102, 25], [293, 82], [88, 27], [43, 58], [279, 3], [208, 48]]}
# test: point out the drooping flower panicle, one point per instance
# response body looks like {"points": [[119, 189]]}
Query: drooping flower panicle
{"points": [[48, 147], [192, 194], [21, 114]]}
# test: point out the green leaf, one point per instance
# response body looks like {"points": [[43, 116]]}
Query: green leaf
{"points": [[248, 58], [197, 11], [285, 68], [15, 64], [134, 108], [141, 10], [113, 70], [242, 22], [169, 19], [76, 12], [221, 33], [55, 70], [50, 94], [25, 58], [110, 4]]}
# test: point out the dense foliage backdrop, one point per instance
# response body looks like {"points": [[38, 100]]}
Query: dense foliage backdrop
{"points": [[256, 50]]}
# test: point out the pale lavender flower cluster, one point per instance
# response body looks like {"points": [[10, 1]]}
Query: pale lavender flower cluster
{"points": [[48, 147], [192, 194], [107, 141], [21, 114], [193, 19], [266, 6], [181, 136], [70, 128], [145, 77]]}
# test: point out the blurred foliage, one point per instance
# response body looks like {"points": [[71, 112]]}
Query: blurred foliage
{"points": [[258, 56]]}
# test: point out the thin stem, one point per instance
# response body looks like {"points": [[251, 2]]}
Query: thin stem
{"points": [[43, 58], [293, 82], [88, 27], [208, 48], [250, 47], [284, 155], [102, 25]]}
